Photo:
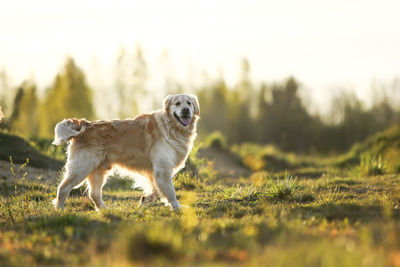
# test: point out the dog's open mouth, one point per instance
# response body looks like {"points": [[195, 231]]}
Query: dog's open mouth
{"points": [[184, 120]]}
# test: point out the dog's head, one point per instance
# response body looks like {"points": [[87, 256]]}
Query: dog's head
{"points": [[184, 109]]}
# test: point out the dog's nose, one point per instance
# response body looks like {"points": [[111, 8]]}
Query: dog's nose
{"points": [[185, 111]]}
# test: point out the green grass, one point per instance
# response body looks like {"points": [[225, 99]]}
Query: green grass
{"points": [[303, 211], [384, 145], [372, 165], [262, 220], [270, 158]]}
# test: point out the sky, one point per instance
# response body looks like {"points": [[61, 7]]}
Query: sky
{"points": [[327, 45]]}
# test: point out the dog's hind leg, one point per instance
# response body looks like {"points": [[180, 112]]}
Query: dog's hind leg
{"points": [[96, 181], [79, 165]]}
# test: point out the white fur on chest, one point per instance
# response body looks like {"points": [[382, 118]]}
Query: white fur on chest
{"points": [[170, 154], [173, 147]]}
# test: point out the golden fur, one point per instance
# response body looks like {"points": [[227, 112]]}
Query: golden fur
{"points": [[154, 145]]}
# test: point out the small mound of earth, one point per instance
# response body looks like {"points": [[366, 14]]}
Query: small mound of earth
{"points": [[20, 149], [45, 176], [225, 162]]}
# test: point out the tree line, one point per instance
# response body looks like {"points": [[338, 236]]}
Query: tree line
{"points": [[280, 117], [266, 114]]}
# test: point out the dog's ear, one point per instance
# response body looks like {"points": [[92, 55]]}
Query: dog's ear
{"points": [[196, 105], [167, 103]]}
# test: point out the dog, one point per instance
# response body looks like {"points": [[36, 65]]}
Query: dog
{"points": [[154, 145]]}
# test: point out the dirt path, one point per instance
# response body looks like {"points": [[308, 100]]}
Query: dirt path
{"points": [[32, 173], [225, 162]]}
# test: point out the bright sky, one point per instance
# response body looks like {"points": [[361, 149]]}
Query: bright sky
{"points": [[325, 44]]}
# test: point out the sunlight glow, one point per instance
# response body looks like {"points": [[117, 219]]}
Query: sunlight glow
{"points": [[325, 44]]}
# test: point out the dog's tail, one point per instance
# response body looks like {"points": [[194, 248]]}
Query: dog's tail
{"points": [[68, 128]]}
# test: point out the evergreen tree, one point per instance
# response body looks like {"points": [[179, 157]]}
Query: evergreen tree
{"points": [[262, 114], [1, 115], [214, 106], [288, 123], [69, 96], [6, 93], [23, 120], [240, 108]]}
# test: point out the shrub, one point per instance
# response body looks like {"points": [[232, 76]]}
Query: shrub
{"points": [[216, 140]]}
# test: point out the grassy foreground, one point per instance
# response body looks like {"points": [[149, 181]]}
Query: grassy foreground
{"points": [[345, 220]]}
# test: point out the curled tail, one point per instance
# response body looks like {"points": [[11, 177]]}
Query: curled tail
{"points": [[67, 129]]}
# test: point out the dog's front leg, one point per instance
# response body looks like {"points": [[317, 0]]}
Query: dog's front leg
{"points": [[164, 185]]}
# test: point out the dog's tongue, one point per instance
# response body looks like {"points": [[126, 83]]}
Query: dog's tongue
{"points": [[185, 121]]}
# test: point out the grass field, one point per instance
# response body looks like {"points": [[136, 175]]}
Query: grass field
{"points": [[310, 215], [329, 221]]}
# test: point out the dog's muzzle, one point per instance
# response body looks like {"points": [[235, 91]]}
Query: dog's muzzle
{"points": [[185, 118]]}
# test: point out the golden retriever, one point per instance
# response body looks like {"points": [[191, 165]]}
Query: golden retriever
{"points": [[154, 145]]}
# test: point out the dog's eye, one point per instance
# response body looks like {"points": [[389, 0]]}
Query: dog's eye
{"points": [[188, 103], [177, 103]]}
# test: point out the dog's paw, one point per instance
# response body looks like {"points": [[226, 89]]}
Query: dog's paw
{"points": [[102, 207], [57, 204], [175, 206]]}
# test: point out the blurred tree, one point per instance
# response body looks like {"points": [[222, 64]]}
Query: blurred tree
{"points": [[130, 82], [171, 85], [287, 122], [6, 92], [23, 119], [262, 114], [383, 115], [214, 106], [282, 118], [139, 79], [1, 114], [121, 83], [244, 86], [354, 122], [269, 114], [239, 118], [69, 96]]}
